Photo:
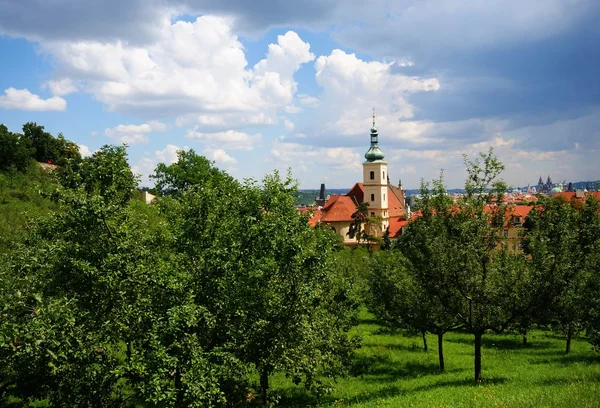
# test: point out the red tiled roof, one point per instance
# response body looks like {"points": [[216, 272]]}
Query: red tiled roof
{"points": [[571, 194], [338, 208], [314, 214], [396, 225]]}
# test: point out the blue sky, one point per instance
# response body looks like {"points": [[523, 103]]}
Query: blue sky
{"points": [[264, 85]]}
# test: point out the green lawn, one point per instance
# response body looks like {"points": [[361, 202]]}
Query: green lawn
{"points": [[392, 370]]}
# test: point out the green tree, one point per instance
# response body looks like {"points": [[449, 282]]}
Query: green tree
{"points": [[15, 150], [398, 299], [562, 239], [189, 170], [266, 277], [460, 258]]}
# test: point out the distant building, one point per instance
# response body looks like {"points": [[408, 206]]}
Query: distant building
{"points": [[546, 187], [320, 200]]}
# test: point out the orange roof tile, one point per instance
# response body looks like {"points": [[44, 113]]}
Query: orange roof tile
{"points": [[338, 208]]}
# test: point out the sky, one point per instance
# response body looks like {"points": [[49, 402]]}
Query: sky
{"points": [[263, 85]]}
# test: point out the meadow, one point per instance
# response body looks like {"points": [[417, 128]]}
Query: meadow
{"points": [[392, 370]]}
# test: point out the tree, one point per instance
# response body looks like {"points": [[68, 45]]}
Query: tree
{"points": [[397, 298], [189, 170], [467, 267], [266, 277], [15, 150], [562, 239]]}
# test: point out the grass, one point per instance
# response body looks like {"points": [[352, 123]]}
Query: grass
{"points": [[392, 370]]}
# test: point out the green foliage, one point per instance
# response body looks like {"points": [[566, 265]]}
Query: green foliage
{"points": [[459, 257], [23, 199], [113, 303], [562, 239], [48, 148], [189, 170], [15, 150]]}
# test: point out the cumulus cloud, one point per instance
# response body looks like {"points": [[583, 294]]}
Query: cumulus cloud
{"points": [[190, 68], [230, 139], [133, 134], [61, 87], [168, 155], [22, 99], [84, 150], [219, 156]]}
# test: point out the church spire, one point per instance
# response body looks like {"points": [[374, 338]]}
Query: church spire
{"points": [[374, 153]]}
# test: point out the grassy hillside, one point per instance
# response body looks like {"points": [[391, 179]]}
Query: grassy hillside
{"points": [[392, 370], [21, 201]]}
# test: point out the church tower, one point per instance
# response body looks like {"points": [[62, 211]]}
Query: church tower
{"points": [[375, 184]]}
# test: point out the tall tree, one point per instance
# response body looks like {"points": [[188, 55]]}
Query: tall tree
{"points": [[467, 267]]}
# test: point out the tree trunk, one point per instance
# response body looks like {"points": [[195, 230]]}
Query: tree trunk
{"points": [[441, 351], [478, 357], [178, 388], [423, 332], [569, 336], [129, 352], [524, 333], [264, 385]]}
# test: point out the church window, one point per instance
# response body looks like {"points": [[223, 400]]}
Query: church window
{"points": [[383, 196], [372, 197], [372, 175], [383, 175], [372, 214]]}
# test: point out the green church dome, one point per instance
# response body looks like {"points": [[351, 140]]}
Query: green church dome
{"points": [[555, 190], [374, 153]]}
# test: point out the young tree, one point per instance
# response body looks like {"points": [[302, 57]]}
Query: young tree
{"points": [[460, 256], [398, 299], [561, 239], [266, 277]]}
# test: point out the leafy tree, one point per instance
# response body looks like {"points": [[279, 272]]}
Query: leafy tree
{"points": [[398, 298], [460, 258], [561, 239], [15, 150], [266, 277], [189, 170]]}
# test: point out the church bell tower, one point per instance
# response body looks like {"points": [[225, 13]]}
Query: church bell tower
{"points": [[375, 178]]}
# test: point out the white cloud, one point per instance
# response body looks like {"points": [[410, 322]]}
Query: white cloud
{"points": [[351, 87], [169, 154], [292, 109], [308, 100], [191, 68], [287, 124], [132, 134], [22, 99], [339, 158], [230, 139], [84, 150], [61, 87], [220, 156]]}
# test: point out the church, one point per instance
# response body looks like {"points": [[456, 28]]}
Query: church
{"points": [[384, 201]]}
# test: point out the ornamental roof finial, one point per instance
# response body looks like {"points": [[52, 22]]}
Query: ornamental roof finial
{"points": [[373, 117]]}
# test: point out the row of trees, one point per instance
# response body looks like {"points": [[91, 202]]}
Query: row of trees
{"points": [[200, 299], [455, 269], [111, 302], [34, 144]]}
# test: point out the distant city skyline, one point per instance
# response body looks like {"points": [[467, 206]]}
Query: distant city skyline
{"points": [[264, 85]]}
